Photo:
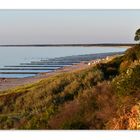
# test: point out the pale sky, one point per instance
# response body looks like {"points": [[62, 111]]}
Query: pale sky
{"points": [[68, 26]]}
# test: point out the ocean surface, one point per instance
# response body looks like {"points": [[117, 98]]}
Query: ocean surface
{"points": [[18, 62]]}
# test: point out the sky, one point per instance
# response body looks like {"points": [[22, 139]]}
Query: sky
{"points": [[68, 26]]}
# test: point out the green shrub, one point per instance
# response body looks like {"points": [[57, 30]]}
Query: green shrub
{"points": [[92, 78], [128, 82], [71, 90]]}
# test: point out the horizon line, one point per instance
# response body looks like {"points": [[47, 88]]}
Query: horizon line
{"points": [[71, 44]]}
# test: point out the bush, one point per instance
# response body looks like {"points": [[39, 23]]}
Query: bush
{"points": [[70, 91], [92, 78], [74, 124], [124, 65], [90, 110], [132, 53], [127, 83]]}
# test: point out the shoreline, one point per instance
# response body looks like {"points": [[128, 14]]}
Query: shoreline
{"points": [[8, 83]]}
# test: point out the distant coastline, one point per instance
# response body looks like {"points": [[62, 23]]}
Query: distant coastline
{"points": [[8, 83], [72, 45]]}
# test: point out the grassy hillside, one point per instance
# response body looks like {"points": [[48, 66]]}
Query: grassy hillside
{"points": [[105, 96]]}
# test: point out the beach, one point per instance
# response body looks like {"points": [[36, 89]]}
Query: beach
{"points": [[7, 83]]}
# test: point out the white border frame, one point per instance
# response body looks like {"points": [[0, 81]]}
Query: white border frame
{"points": [[69, 4], [70, 135]]}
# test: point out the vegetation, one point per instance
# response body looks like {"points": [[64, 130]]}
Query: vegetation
{"points": [[137, 35], [104, 96]]}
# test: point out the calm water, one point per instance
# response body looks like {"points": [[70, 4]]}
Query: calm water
{"points": [[17, 55]]}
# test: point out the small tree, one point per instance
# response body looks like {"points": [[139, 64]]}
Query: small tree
{"points": [[137, 35]]}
